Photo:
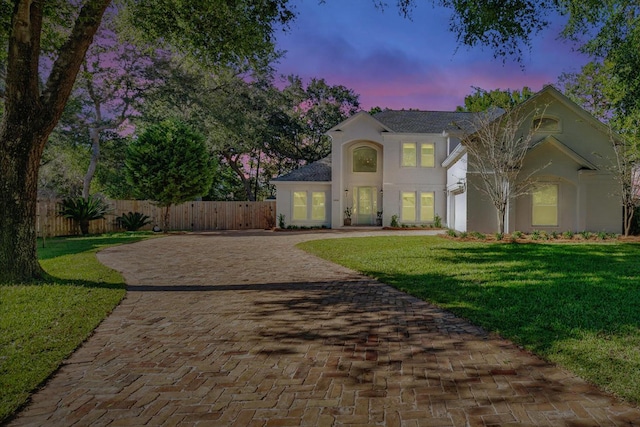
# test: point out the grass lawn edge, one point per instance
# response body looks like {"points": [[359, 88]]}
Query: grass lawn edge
{"points": [[38, 339]]}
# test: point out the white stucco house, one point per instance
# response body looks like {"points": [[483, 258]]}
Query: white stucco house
{"points": [[413, 165]]}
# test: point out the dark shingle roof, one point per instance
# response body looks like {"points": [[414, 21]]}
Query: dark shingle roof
{"points": [[409, 121], [319, 171]]}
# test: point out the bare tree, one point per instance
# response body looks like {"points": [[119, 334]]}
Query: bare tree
{"points": [[112, 79], [497, 143]]}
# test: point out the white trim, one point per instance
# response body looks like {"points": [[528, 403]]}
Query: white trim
{"points": [[455, 155], [555, 142]]}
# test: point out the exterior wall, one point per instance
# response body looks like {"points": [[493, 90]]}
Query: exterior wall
{"points": [[549, 165], [391, 179], [457, 194], [399, 179], [586, 198], [603, 206], [569, 209], [353, 180], [577, 131], [481, 214], [284, 202], [360, 129]]}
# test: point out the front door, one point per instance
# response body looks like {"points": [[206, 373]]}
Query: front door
{"points": [[365, 203]]}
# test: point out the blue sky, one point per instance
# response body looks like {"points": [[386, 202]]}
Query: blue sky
{"points": [[399, 63]]}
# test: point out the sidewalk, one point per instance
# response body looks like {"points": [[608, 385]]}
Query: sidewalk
{"points": [[244, 329]]}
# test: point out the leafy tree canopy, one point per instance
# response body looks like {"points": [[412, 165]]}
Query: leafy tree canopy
{"points": [[35, 90], [169, 164], [605, 29], [206, 31], [483, 100]]}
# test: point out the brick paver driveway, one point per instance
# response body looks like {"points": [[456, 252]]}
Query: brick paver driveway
{"points": [[243, 329]]}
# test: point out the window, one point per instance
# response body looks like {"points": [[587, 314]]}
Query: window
{"points": [[427, 156], [426, 207], [545, 205], [299, 205], [409, 156], [365, 159], [318, 210], [546, 124], [409, 206]]}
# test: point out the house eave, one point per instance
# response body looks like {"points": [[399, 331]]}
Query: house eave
{"points": [[276, 181], [554, 142], [340, 126], [455, 155]]}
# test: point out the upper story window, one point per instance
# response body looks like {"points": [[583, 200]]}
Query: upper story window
{"points": [[410, 156], [427, 156], [546, 124], [365, 159]]}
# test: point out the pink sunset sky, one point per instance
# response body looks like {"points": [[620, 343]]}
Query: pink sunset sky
{"points": [[394, 62]]}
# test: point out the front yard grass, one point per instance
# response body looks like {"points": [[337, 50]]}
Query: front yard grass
{"points": [[577, 305], [43, 323]]}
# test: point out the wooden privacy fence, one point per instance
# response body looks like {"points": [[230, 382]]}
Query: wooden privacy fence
{"points": [[191, 216]]}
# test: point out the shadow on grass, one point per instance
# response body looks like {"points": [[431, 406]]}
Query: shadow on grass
{"points": [[534, 294], [60, 246]]}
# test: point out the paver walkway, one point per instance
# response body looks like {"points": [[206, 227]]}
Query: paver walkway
{"points": [[243, 329]]}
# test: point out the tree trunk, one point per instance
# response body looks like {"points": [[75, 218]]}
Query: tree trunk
{"points": [[93, 163], [18, 200], [501, 216], [29, 117], [233, 163], [84, 227], [628, 211], [165, 219]]}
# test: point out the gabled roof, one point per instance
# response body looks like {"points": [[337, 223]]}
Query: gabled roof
{"points": [[567, 102], [361, 115], [411, 121], [319, 171], [555, 142]]}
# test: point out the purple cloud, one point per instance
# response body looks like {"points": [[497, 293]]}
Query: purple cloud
{"points": [[396, 63]]}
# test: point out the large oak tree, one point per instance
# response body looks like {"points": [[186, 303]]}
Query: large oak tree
{"points": [[218, 32]]}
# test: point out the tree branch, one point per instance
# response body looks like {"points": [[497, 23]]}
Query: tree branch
{"points": [[66, 67]]}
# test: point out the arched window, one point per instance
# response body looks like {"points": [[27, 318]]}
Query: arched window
{"points": [[365, 159], [546, 124]]}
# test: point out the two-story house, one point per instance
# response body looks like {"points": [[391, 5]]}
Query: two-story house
{"points": [[412, 164]]}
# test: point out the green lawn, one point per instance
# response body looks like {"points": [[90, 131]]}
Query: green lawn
{"points": [[41, 324], [577, 305]]}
